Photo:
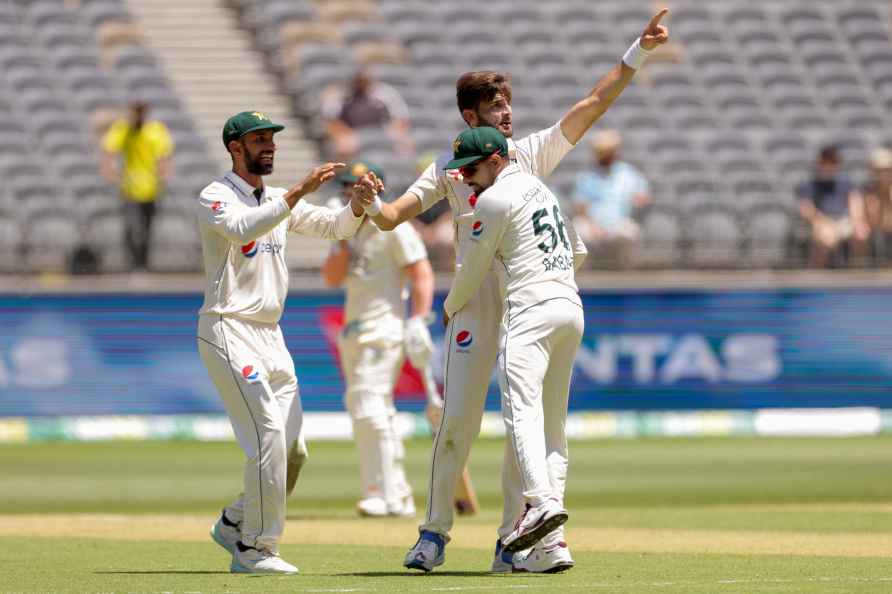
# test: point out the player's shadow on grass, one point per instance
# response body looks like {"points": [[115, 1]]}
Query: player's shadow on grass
{"points": [[162, 572], [431, 575]]}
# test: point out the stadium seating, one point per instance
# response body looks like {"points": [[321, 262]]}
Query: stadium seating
{"points": [[741, 101], [66, 74], [725, 121]]}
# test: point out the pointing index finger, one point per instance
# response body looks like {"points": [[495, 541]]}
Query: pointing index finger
{"points": [[652, 25]]}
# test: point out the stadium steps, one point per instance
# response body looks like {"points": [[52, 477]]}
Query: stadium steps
{"points": [[216, 73]]}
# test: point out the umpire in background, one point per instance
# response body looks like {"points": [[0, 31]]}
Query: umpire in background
{"points": [[136, 156]]}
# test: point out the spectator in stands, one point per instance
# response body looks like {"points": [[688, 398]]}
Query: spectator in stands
{"points": [[878, 202], [366, 104], [136, 157], [606, 201], [834, 208]]}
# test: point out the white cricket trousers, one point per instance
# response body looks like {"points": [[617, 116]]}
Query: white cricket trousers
{"points": [[539, 345], [254, 374], [370, 372], [472, 345]]}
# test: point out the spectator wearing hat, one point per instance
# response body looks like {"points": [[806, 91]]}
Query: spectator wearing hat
{"points": [[834, 209], [607, 199], [378, 271], [136, 157], [878, 201]]}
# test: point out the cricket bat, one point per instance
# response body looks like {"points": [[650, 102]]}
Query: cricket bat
{"points": [[465, 497]]}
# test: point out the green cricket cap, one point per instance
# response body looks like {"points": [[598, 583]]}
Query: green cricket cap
{"points": [[247, 121], [474, 144], [356, 169]]}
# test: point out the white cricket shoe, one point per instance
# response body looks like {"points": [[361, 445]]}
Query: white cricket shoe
{"points": [[251, 560], [377, 507], [503, 561], [226, 534], [428, 552], [372, 507], [543, 558], [406, 508], [534, 524]]}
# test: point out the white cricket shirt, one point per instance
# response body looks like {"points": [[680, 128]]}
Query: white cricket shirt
{"points": [[243, 244], [537, 154], [518, 225], [376, 291]]}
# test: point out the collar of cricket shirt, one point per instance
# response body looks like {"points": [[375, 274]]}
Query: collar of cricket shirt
{"points": [[243, 187], [510, 169]]}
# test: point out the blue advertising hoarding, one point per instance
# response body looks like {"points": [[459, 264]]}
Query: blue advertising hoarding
{"points": [[648, 350]]}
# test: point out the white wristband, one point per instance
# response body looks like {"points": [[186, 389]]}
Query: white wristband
{"points": [[636, 55], [374, 208]]}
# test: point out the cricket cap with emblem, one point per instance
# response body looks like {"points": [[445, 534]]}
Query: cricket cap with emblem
{"points": [[356, 169], [247, 121], [474, 144]]}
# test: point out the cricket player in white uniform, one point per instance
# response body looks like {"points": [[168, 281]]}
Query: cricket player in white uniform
{"points": [[243, 227], [484, 99], [520, 228], [374, 267]]}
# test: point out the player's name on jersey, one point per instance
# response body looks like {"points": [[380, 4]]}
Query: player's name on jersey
{"points": [[559, 262]]}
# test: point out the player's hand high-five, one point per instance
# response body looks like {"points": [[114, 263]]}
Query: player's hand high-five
{"points": [[655, 34]]}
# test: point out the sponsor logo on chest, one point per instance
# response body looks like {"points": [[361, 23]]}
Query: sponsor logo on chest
{"points": [[249, 250]]}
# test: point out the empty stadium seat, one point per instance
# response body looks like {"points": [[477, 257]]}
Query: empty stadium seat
{"points": [[174, 245], [662, 235], [49, 242], [714, 238], [769, 229]]}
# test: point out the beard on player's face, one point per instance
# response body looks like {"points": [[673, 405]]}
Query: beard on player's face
{"points": [[260, 163], [499, 121], [483, 175], [495, 114]]}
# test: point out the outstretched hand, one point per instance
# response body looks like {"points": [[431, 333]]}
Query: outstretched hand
{"points": [[655, 34], [318, 176]]}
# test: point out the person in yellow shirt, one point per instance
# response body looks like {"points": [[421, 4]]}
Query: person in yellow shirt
{"points": [[137, 158]]}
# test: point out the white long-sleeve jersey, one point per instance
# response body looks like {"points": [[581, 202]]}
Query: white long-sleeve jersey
{"points": [[537, 154], [243, 243], [518, 225]]}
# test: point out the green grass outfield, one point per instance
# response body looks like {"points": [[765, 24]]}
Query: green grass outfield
{"points": [[741, 515]]}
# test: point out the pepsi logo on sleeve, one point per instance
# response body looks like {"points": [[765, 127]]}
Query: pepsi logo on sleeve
{"points": [[251, 375]]}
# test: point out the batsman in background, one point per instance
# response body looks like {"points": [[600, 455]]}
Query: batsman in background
{"points": [[484, 99], [374, 268]]}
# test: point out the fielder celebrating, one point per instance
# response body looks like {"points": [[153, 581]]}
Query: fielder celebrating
{"points": [[484, 99], [374, 267], [243, 227], [520, 225]]}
